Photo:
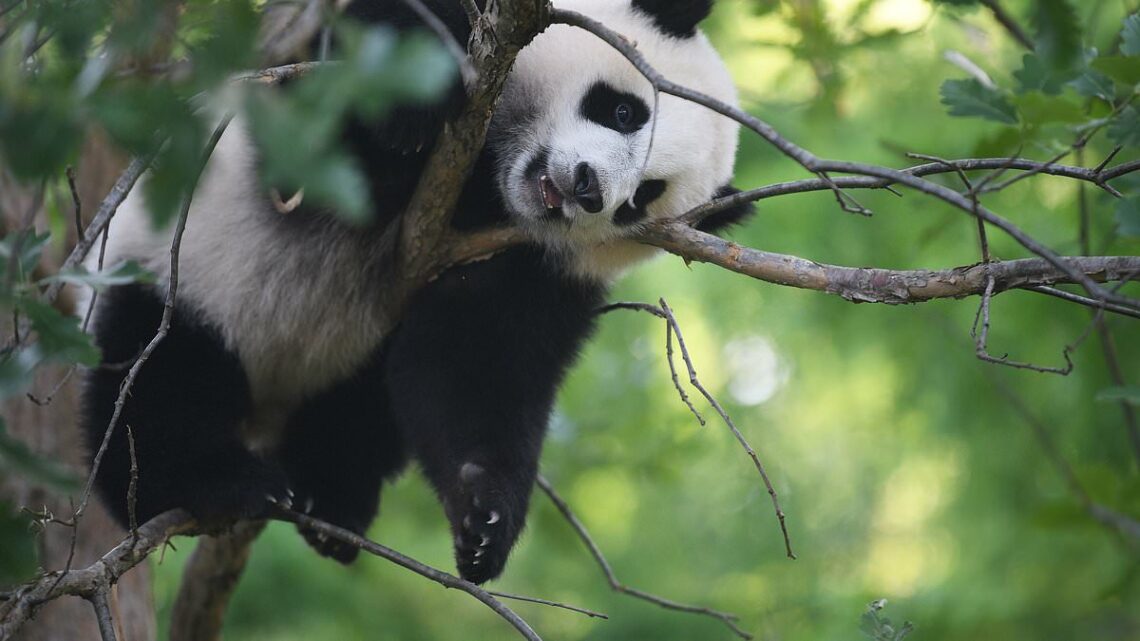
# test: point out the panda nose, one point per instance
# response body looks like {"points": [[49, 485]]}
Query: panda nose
{"points": [[587, 189]]}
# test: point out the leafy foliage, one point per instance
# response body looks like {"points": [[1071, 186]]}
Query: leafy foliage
{"points": [[155, 77]]}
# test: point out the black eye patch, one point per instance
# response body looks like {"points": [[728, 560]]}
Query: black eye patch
{"points": [[617, 110], [647, 192]]}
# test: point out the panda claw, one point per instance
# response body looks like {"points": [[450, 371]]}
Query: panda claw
{"points": [[309, 505], [486, 540], [479, 553], [467, 522], [494, 518]]}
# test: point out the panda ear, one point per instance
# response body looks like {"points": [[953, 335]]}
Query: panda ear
{"points": [[677, 18], [734, 215]]}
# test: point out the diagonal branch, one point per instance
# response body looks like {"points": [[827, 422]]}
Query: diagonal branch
{"points": [[611, 578]]}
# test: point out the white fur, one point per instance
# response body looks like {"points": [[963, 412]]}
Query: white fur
{"points": [[299, 311], [693, 148]]}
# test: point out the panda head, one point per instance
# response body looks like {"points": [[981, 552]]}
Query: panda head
{"points": [[585, 156]]}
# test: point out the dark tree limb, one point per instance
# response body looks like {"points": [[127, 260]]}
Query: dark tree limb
{"points": [[208, 581]]}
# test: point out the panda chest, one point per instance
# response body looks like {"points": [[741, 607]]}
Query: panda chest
{"points": [[299, 324]]}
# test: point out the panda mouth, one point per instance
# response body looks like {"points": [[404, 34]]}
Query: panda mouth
{"points": [[552, 199]]}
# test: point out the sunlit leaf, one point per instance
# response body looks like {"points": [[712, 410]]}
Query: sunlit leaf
{"points": [[972, 98]]}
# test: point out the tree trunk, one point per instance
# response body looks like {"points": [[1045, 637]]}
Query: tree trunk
{"points": [[50, 431]]}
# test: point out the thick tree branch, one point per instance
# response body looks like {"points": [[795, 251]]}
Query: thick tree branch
{"points": [[871, 285], [95, 578], [208, 582], [511, 25]]}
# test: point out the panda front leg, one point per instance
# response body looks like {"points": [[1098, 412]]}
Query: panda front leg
{"points": [[184, 412], [471, 375], [480, 453], [338, 449]]}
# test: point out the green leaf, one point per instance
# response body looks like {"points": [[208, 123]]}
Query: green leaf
{"points": [[1035, 75], [17, 546], [972, 98], [120, 274], [1037, 109], [1126, 71], [1129, 394], [59, 336], [17, 458], [1058, 33], [1130, 36], [1094, 84], [1124, 129], [1128, 216]]}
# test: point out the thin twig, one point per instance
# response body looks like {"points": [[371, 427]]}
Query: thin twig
{"points": [[102, 218], [70, 172], [164, 323], [656, 311], [981, 339], [696, 382], [458, 52], [553, 604], [1084, 300], [133, 485], [440, 577], [1009, 23], [617, 586], [1117, 522]]}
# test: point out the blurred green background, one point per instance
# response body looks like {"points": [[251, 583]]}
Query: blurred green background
{"points": [[905, 472]]}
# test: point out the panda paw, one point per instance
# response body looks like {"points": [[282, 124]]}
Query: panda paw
{"points": [[250, 492], [322, 543], [485, 525]]}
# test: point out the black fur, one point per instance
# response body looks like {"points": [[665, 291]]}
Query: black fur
{"points": [[464, 385], [677, 18], [734, 215], [184, 412]]}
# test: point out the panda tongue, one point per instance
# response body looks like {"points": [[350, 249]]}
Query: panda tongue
{"points": [[550, 196]]}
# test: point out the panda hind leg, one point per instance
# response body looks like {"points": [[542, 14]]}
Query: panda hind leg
{"points": [[338, 449], [183, 414]]}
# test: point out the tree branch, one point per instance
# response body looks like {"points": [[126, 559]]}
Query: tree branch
{"points": [[617, 586], [208, 581], [95, 578], [872, 285], [823, 168]]}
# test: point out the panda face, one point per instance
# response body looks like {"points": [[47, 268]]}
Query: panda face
{"points": [[586, 153]]}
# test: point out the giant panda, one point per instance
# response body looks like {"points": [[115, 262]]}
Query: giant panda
{"points": [[274, 383]]}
